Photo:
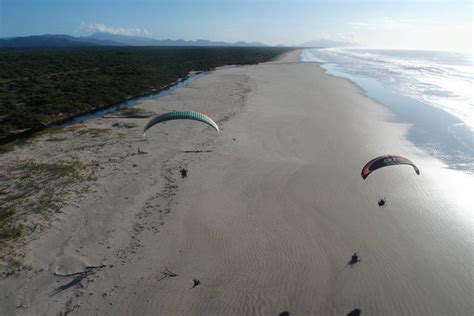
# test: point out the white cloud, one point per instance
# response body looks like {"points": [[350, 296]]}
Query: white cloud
{"points": [[383, 23], [394, 24], [346, 37], [102, 28], [350, 37], [320, 36], [359, 24]]}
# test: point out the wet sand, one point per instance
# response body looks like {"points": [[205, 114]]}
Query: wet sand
{"points": [[267, 218]]}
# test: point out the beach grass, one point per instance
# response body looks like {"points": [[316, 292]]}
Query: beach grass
{"points": [[31, 192]]}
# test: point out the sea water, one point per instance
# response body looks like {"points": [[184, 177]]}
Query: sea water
{"points": [[433, 91]]}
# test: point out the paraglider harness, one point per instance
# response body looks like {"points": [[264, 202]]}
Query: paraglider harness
{"points": [[354, 259]]}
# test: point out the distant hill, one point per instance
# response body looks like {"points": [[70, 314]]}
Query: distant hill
{"points": [[146, 41], [45, 41], [326, 43], [123, 40], [106, 39]]}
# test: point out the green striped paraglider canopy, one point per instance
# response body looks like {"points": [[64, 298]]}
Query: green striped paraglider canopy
{"points": [[181, 115]]}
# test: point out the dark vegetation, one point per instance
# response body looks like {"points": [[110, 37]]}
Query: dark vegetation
{"points": [[42, 86]]}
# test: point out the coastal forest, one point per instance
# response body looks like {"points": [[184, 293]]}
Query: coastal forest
{"points": [[42, 86]]}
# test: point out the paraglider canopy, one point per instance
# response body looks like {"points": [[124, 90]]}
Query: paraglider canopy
{"points": [[384, 161], [181, 115]]}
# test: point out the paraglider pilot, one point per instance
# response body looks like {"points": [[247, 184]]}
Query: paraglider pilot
{"points": [[354, 259]]}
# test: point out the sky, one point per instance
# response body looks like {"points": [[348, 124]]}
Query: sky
{"points": [[404, 24]]}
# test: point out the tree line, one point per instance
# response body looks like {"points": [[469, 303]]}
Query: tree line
{"points": [[42, 86]]}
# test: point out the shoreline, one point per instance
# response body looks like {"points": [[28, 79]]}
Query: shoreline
{"points": [[423, 119], [267, 217]]}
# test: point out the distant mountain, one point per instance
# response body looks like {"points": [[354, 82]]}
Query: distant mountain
{"points": [[145, 41], [44, 41], [53, 40], [326, 43], [123, 40], [106, 39]]}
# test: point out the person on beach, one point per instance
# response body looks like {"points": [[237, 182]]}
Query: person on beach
{"points": [[354, 259]]}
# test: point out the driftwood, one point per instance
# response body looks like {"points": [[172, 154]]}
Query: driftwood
{"points": [[167, 274], [77, 281], [197, 151], [87, 271]]}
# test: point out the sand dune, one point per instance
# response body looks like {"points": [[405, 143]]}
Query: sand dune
{"points": [[268, 216]]}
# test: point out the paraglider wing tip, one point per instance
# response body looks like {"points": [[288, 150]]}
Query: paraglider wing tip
{"points": [[416, 169], [364, 173]]}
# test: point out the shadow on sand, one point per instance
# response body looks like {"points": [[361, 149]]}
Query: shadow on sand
{"points": [[75, 282], [355, 312]]}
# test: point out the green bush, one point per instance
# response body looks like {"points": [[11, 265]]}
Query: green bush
{"points": [[37, 85]]}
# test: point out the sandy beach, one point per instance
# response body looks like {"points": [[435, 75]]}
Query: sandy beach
{"points": [[267, 218]]}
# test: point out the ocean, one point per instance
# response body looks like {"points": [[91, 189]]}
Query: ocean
{"points": [[432, 91]]}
